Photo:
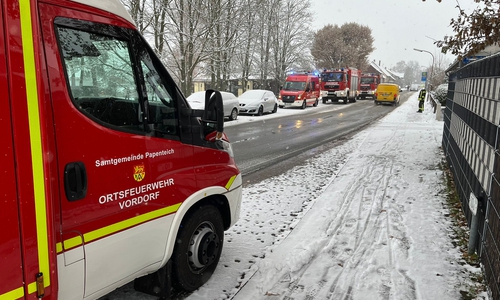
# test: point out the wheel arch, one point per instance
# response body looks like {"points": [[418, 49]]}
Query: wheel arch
{"points": [[210, 196]]}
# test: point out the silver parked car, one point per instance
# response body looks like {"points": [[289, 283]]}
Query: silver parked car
{"points": [[258, 102], [230, 101]]}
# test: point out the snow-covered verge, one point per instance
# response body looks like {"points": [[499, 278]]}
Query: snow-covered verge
{"points": [[379, 230]]}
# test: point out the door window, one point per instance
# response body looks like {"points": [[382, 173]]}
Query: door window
{"points": [[161, 109], [103, 82]]}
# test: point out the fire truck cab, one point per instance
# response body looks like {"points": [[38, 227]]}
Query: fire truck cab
{"points": [[300, 90], [368, 85], [107, 174], [340, 84]]}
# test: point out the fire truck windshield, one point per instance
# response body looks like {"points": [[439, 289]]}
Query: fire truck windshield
{"points": [[295, 86], [331, 77], [367, 80]]}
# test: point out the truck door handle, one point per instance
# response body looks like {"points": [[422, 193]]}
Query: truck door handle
{"points": [[75, 181]]}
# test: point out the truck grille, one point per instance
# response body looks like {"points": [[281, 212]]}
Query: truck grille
{"points": [[332, 87], [288, 98]]}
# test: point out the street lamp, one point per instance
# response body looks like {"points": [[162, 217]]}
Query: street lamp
{"points": [[432, 66]]}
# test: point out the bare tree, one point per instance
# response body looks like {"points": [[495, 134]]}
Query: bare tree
{"points": [[225, 17], [274, 38], [292, 37], [437, 71], [138, 12], [411, 71], [266, 11], [327, 47], [221, 38], [187, 31], [345, 46], [245, 52]]}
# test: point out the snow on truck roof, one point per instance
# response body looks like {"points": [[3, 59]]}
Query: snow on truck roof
{"points": [[112, 6]]}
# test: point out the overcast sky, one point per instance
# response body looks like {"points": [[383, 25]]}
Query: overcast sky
{"points": [[397, 26]]}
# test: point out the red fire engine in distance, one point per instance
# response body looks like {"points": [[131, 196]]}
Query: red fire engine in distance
{"points": [[368, 85], [340, 84], [300, 90]]}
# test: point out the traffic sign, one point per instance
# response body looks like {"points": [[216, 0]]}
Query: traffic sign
{"points": [[424, 76]]}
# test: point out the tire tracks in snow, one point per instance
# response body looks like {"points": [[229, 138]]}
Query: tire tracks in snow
{"points": [[365, 235]]}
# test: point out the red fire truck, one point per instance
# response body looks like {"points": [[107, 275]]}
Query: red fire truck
{"points": [[368, 85], [107, 174], [340, 84], [300, 90]]}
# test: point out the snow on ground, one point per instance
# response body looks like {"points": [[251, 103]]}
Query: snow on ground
{"points": [[368, 222], [363, 220]]}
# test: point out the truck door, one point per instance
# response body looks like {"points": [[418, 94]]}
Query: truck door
{"points": [[11, 262], [123, 169]]}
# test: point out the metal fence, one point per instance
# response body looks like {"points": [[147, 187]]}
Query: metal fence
{"points": [[471, 145]]}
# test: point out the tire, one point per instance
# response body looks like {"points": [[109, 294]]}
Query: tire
{"points": [[304, 104], [260, 112], [201, 233], [316, 102], [275, 109], [324, 100], [234, 114]]}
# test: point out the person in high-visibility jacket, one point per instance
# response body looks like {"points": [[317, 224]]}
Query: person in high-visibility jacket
{"points": [[421, 99]]}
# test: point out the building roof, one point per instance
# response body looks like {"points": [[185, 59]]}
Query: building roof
{"points": [[387, 76], [395, 75]]}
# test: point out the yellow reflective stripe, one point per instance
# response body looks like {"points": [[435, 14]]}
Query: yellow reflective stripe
{"points": [[113, 228], [230, 182], [32, 288], [35, 138], [96, 234], [72, 242], [15, 294]]}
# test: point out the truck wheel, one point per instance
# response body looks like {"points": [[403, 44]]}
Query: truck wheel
{"points": [[316, 102], [197, 248], [324, 100], [234, 114], [304, 104]]}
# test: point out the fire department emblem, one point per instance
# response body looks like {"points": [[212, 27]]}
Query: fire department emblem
{"points": [[139, 173]]}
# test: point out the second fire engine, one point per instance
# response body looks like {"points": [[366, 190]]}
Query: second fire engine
{"points": [[368, 85], [340, 84]]}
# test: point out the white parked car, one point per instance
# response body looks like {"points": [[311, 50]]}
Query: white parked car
{"points": [[258, 102], [230, 101]]}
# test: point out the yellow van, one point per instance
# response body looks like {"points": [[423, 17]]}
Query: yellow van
{"points": [[387, 93]]}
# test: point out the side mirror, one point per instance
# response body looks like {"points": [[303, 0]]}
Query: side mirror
{"points": [[213, 116]]}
